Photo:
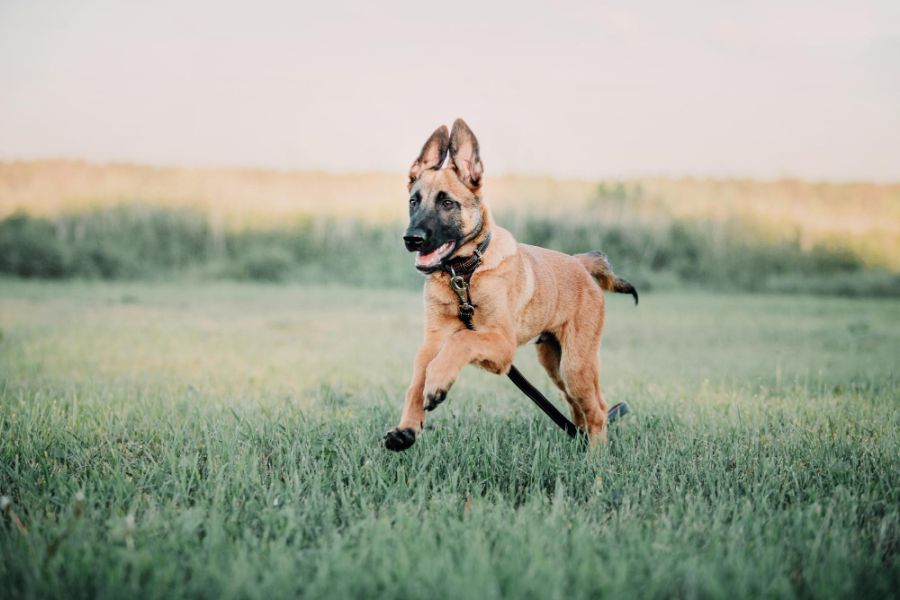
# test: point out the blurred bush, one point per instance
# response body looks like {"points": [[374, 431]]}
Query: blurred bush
{"points": [[263, 263], [138, 241], [31, 248]]}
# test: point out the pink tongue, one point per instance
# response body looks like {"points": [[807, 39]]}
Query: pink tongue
{"points": [[432, 257]]}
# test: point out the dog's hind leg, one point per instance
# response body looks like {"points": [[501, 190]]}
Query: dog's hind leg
{"points": [[583, 384], [549, 355], [581, 373]]}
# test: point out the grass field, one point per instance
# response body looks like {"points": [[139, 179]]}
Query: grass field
{"points": [[224, 440]]}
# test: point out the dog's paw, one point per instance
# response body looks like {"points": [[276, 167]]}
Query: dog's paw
{"points": [[433, 399], [399, 440]]}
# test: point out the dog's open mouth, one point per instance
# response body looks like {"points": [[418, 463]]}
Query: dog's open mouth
{"points": [[434, 258]]}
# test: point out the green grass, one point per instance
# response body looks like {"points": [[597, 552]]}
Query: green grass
{"points": [[223, 440]]}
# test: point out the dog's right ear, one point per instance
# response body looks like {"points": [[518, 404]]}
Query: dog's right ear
{"points": [[464, 155], [433, 153]]}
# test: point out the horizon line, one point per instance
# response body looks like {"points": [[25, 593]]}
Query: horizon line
{"points": [[247, 167]]}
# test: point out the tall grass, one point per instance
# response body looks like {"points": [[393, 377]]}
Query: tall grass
{"points": [[864, 216], [140, 241]]}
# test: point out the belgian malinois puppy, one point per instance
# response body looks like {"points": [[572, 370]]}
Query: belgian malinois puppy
{"points": [[519, 293]]}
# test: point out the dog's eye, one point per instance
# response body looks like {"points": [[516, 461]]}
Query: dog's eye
{"points": [[413, 202], [448, 204]]}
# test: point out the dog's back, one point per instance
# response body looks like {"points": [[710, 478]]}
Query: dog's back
{"points": [[596, 263]]}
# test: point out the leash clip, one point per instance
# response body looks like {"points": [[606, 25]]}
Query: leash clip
{"points": [[459, 285]]}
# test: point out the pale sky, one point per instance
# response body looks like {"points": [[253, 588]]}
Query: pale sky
{"points": [[588, 89]]}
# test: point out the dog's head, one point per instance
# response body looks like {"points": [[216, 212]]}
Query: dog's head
{"points": [[445, 208]]}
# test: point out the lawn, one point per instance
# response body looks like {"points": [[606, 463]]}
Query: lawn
{"points": [[224, 440]]}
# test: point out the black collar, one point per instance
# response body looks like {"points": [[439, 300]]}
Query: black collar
{"points": [[466, 265]]}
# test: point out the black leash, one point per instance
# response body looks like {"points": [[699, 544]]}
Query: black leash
{"points": [[545, 405], [461, 271]]}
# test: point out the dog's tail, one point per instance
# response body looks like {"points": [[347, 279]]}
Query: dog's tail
{"points": [[598, 265]]}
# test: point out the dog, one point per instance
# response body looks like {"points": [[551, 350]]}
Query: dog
{"points": [[515, 293]]}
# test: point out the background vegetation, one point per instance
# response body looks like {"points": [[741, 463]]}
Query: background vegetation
{"points": [[137, 222]]}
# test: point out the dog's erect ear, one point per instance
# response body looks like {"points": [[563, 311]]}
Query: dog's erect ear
{"points": [[464, 155], [433, 153]]}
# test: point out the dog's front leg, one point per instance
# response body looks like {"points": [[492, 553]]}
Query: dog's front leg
{"points": [[491, 349], [404, 434]]}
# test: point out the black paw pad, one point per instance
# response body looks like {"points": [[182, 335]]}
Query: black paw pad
{"points": [[432, 401], [399, 439]]}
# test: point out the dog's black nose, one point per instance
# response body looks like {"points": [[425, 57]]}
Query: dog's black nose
{"points": [[414, 240]]}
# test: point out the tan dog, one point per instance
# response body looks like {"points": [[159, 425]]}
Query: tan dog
{"points": [[520, 291]]}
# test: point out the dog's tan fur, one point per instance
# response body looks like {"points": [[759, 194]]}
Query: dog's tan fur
{"points": [[521, 292]]}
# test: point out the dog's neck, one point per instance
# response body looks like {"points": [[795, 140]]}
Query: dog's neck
{"points": [[468, 257], [487, 225], [466, 265]]}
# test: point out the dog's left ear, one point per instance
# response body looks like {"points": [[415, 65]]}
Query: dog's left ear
{"points": [[464, 155]]}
